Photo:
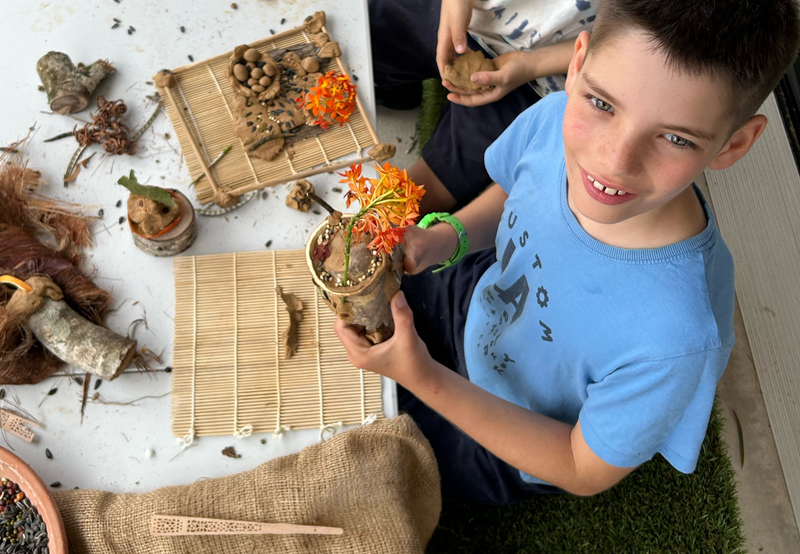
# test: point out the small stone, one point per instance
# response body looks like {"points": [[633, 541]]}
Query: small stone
{"points": [[336, 189], [183, 29], [269, 70], [149, 453], [264, 195], [269, 243], [121, 219], [119, 203], [191, 58], [252, 55], [240, 72], [263, 441], [234, 6], [168, 369], [257, 73]]}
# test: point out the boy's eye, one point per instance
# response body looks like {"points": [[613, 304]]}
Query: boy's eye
{"points": [[677, 141], [601, 104]]}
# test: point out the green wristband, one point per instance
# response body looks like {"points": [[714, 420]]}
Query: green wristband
{"points": [[463, 237]]}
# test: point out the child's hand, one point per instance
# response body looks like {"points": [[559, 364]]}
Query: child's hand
{"points": [[427, 247], [404, 357], [454, 20], [512, 71]]}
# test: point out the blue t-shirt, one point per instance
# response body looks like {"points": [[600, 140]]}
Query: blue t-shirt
{"points": [[630, 341]]}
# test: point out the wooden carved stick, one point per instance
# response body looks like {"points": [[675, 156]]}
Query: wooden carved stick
{"points": [[172, 526]]}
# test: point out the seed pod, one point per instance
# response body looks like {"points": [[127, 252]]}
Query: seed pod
{"points": [[252, 55], [240, 72]]}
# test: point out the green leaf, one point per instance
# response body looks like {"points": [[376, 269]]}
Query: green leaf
{"points": [[154, 193]]}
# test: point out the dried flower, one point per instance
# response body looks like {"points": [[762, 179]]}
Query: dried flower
{"points": [[389, 205], [332, 101]]}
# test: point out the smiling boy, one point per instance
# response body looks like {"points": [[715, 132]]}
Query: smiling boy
{"points": [[594, 335]]}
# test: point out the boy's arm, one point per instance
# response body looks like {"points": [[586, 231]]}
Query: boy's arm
{"points": [[538, 445], [480, 218]]}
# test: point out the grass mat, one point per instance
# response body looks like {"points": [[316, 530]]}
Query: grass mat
{"points": [[656, 509]]}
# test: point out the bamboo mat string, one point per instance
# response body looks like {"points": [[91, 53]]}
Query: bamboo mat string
{"points": [[330, 429], [355, 138], [322, 149], [319, 369], [278, 428], [188, 440], [289, 159], [247, 430]]}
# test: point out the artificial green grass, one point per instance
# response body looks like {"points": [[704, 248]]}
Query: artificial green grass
{"points": [[656, 509]]}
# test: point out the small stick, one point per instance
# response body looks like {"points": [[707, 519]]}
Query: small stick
{"points": [[212, 164], [321, 202], [86, 381], [58, 137], [140, 131]]}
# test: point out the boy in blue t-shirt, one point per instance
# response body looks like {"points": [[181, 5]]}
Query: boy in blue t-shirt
{"points": [[594, 335]]}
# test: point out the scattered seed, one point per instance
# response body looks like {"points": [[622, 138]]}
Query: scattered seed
{"points": [[168, 369], [79, 381], [149, 83], [95, 396], [97, 384], [100, 213], [355, 77], [269, 243], [149, 453], [263, 441], [316, 212], [191, 58], [167, 136], [48, 454], [75, 488], [117, 20], [130, 32], [55, 484], [398, 139], [234, 6], [52, 391], [336, 189], [132, 28], [271, 32], [183, 29], [264, 195], [2, 393], [121, 219], [230, 452], [119, 203], [115, 25]]}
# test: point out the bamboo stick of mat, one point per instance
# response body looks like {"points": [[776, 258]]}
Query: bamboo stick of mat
{"points": [[178, 526]]}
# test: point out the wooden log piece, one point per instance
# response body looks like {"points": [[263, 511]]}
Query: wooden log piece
{"points": [[80, 343], [68, 87], [175, 240]]}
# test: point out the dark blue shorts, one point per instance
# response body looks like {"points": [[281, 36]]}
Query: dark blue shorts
{"points": [[469, 472], [403, 37]]}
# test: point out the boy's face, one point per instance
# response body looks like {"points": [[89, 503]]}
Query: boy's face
{"points": [[636, 132]]}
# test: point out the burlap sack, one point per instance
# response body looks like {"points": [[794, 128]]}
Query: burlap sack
{"points": [[379, 483]]}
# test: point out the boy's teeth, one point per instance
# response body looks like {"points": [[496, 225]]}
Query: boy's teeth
{"points": [[608, 190]]}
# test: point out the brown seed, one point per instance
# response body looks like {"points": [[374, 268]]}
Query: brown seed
{"points": [[257, 73], [310, 64], [265, 81], [269, 70], [240, 72], [252, 55], [48, 454], [258, 88], [234, 6]]}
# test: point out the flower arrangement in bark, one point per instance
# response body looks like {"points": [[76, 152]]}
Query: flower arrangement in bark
{"points": [[332, 100], [389, 205]]}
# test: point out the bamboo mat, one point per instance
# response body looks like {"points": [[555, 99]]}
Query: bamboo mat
{"points": [[229, 371], [205, 96]]}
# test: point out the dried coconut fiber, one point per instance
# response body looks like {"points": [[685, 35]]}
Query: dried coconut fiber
{"points": [[379, 483]]}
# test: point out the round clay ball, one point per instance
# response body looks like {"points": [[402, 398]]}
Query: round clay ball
{"points": [[258, 88], [250, 66], [310, 64], [240, 72], [269, 70], [252, 81], [252, 55], [256, 73], [265, 81]]}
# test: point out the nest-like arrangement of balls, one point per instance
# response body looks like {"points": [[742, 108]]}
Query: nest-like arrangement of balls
{"points": [[254, 74]]}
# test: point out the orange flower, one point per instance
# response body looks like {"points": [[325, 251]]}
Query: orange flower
{"points": [[333, 100]]}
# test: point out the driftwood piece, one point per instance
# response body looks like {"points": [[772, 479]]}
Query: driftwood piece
{"points": [[177, 239], [295, 308], [78, 342], [69, 87]]}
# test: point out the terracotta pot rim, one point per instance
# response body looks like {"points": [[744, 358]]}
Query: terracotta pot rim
{"points": [[342, 292], [174, 193], [15, 468]]}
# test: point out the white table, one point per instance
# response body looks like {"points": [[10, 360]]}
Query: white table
{"points": [[108, 450]]}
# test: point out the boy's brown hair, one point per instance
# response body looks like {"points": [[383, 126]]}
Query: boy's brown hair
{"points": [[747, 44]]}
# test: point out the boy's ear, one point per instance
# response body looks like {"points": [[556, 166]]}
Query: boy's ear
{"points": [[578, 57], [740, 142]]}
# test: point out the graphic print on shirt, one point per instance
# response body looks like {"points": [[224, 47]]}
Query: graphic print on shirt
{"points": [[508, 304]]}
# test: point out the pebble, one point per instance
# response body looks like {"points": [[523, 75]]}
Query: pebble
{"points": [[265, 81], [310, 64], [257, 73], [251, 81], [252, 55], [149, 453], [269, 70], [240, 72]]}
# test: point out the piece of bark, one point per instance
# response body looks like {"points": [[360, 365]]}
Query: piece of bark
{"points": [[460, 71], [295, 308], [382, 151], [177, 239], [80, 343], [68, 87]]}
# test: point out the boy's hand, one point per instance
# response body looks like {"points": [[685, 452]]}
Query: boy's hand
{"points": [[404, 357], [512, 71], [454, 20], [427, 247]]}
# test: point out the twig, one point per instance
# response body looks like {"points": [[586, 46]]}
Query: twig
{"points": [[321, 202], [86, 380], [212, 164], [129, 403], [58, 137], [138, 133], [9, 149]]}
